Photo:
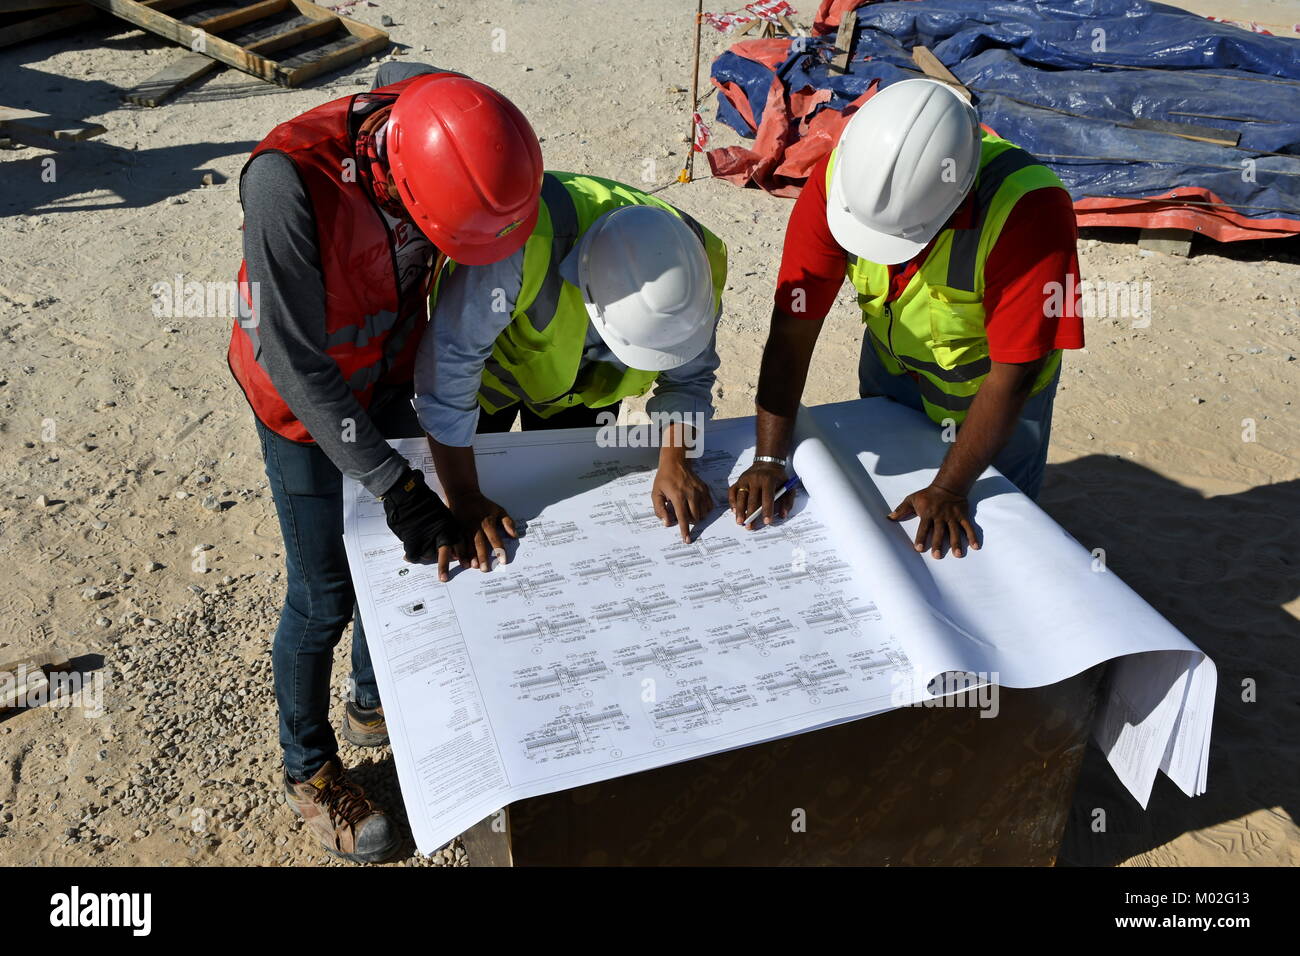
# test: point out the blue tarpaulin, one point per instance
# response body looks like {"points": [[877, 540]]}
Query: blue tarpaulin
{"points": [[1033, 68]]}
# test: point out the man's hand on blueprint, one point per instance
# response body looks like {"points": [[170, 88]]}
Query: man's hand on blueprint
{"points": [[756, 488], [679, 494], [945, 517], [483, 520], [426, 527]]}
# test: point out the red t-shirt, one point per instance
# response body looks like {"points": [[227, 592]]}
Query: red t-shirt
{"points": [[1034, 251]]}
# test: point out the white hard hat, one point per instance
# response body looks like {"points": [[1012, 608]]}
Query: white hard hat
{"points": [[906, 160], [647, 285]]}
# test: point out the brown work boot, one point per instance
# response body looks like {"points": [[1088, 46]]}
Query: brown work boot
{"points": [[338, 812], [365, 728]]}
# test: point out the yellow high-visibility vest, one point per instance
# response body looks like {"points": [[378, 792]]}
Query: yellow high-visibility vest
{"points": [[936, 327]]}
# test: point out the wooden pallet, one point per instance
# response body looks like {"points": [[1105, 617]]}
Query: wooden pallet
{"points": [[307, 39]]}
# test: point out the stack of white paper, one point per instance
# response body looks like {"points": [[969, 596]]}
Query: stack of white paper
{"points": [[607, 646]]}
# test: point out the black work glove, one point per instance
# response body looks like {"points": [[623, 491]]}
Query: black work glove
{"points": [[426, 526]]}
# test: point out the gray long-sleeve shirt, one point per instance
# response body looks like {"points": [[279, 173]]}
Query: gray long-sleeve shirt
{"points": [[281, 252]]}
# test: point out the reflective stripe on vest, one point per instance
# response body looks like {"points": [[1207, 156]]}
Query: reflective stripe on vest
{"points": [[543, 285], [372, 326], [964, 257], [935, 328], [539, 359], [564, 234]]}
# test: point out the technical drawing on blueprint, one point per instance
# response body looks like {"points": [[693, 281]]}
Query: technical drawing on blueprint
{"points": [[607, 644]]}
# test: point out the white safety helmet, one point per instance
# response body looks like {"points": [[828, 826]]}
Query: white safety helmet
{"points": [[648, 287], [906, 160]]}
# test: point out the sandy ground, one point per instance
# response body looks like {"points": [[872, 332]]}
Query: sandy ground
{"points": [[155, 551]]}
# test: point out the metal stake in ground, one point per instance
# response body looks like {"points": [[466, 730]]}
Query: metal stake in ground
{"points": [[688, 171]]}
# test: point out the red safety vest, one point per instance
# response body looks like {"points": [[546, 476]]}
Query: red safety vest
{"points": [[370, 330]]}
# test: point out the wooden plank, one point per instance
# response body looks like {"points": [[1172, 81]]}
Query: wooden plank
{"points": [[355, 27], [259, 30], [180, 73], [33, 27], [1203, 134], [17, 694], [844, 42], [28, 124], [293, 36], [932, 67], [222, 22], [29, 674], [1229, 119], [198, 10], [1172, 242], [264, 39], [333, 56]]}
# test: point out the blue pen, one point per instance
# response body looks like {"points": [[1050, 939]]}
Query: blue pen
{"points": [[790, 483]]}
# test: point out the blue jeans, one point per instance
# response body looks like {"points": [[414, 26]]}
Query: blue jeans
{"points": [[308, 492], [1024, 457]]}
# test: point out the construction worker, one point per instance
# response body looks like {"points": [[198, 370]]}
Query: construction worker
{"points": [[348, 209], [615, 291], [961, 247]]}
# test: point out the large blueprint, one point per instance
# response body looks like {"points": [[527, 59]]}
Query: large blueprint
{"points": [[607, 646]]}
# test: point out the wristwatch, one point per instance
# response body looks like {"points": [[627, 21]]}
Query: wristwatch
{"points": [[769, 460]]}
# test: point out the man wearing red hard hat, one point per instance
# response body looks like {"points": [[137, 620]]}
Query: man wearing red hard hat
{"points": [[349, 210]]}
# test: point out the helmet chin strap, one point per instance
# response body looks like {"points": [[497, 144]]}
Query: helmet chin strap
{"points": [[372, 163], [397, 205]]}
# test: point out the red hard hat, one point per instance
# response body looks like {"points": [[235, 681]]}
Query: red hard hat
{"points": [[467, 166]]}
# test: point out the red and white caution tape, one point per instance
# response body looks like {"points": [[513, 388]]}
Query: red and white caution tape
{"points": [[726, 22], [702, 134], [769, 10]]}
